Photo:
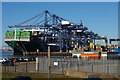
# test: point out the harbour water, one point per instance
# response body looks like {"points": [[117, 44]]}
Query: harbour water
{"points": [[9, 54], [5, 54]]}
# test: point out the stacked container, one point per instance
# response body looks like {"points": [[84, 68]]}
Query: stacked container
{"points": [[10, 34]]}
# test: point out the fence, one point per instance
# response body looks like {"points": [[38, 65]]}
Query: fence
{"points": [[60, 65]]}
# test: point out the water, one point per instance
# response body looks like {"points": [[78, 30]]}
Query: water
{"points": [[5, 54], [9, 54]]}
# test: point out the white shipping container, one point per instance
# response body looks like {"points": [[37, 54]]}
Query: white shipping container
{"points": [[65, 22], [79, 30]]}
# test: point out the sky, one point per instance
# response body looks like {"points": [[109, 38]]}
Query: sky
{"points": [[0, 25], [99, 17], [60, 0]]}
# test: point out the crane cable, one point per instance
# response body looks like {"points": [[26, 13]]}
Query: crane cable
{"points": [[37, 19], [29, 19], [43, 21]]}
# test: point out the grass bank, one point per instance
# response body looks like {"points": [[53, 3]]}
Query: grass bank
{"points": [[34, 76]]}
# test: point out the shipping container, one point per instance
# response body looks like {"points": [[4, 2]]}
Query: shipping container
{"points": [[25, 34], [17, 34], [89, 56], [9, 34], [112, 55]]}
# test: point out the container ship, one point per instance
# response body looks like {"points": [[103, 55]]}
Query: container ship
{"points": [[47, 29]]}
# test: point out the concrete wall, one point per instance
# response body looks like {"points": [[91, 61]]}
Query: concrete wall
{"points": [[78, 74]]}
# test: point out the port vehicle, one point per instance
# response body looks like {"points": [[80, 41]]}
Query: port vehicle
{"points": [[22, 59], [31, 59], [22, 78], [2, 60], [8, 63]]}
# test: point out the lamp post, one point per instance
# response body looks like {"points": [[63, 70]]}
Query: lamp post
{"points": [[49, 66]]}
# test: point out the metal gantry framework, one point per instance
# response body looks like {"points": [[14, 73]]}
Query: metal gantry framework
{"points": [[59, 30]]}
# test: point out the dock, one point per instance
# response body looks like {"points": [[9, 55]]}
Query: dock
{"points": [[51, 53]]}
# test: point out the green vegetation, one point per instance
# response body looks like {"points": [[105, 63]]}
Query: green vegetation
{"points": [[34, 76]]}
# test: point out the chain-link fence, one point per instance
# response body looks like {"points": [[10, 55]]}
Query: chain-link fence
{"points": [[60, 65], [20, 67]]}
